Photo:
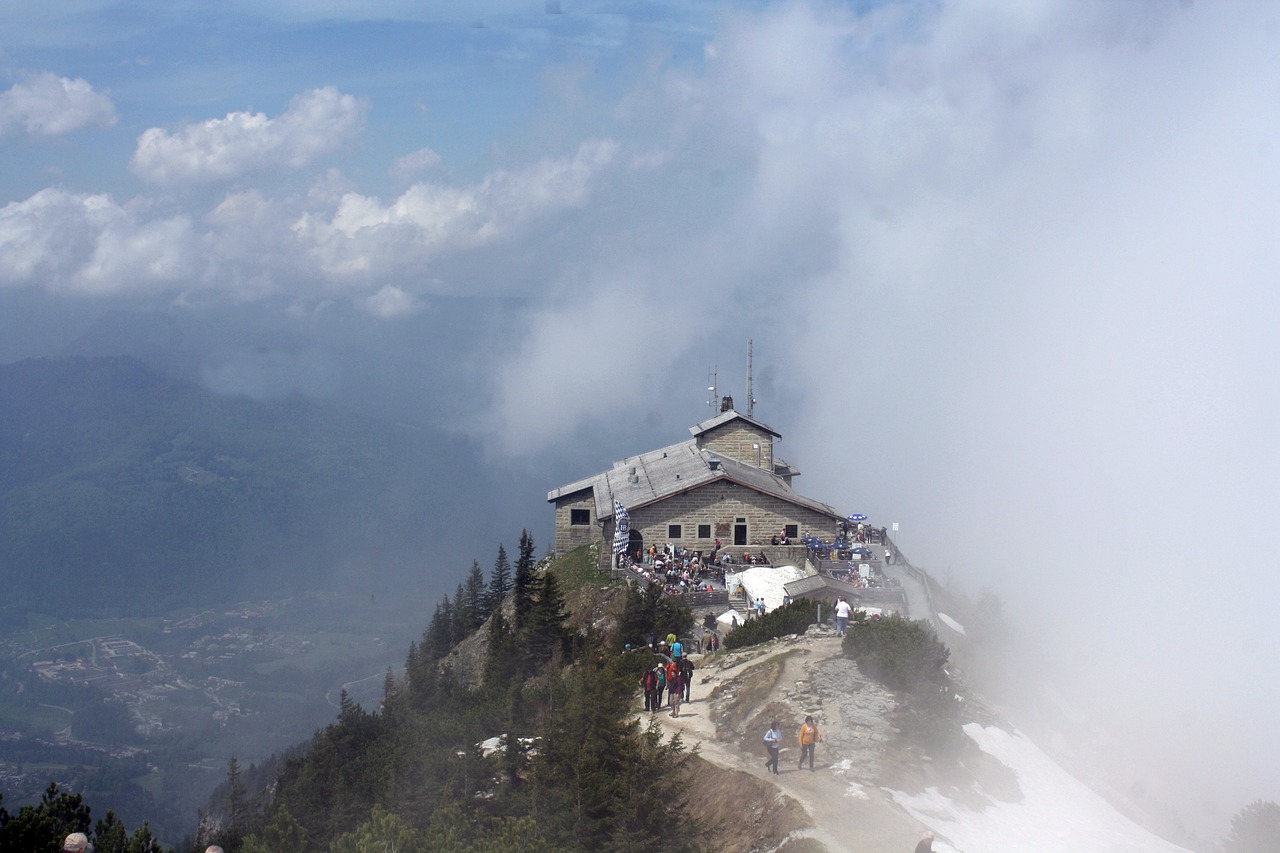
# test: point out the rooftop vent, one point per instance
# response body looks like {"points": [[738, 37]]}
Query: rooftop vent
{"points": [[726, 404], [713, 462]]}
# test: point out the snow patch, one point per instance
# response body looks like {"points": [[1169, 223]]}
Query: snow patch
{"points": [[1057, 814]]}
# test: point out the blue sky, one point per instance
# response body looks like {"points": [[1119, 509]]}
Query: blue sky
{"points": [[1016, 259]]}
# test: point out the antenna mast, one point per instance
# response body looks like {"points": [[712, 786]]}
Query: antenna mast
{"points": [[714, 402], [751, 390]]}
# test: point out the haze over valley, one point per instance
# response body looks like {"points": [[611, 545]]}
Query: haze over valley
{"points": [[305, 307]]}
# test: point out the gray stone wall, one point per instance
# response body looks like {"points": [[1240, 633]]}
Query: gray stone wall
{"points": [[734, 440], [719, 505], [568, 535]]}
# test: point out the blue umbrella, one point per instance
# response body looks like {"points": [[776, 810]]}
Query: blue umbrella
{"points": [[857, 516]]}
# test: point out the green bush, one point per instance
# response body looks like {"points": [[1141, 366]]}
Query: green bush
{"points": [[900, 653], [907, 656], [793, 618]]}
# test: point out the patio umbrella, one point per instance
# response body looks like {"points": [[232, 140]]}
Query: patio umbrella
{"points": [[857, 516]]}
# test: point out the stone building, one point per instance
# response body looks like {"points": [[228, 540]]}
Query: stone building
{"points": [[723, 484]]}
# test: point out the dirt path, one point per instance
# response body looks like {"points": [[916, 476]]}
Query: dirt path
{"points": [[735, 695]]}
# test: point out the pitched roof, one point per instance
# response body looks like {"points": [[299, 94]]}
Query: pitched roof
{"points": [[731, 415], [813, 583], [637, 481]]}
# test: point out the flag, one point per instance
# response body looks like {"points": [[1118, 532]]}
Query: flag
{"points": [[621, 528]]}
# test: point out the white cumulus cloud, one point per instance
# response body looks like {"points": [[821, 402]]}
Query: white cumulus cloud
{"points": [[48, 105], [315, 123], [422, 160], [89, 244], [365, 235]]}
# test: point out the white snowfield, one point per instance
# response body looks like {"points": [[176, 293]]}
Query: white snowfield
{"points": [[1057, 814]]}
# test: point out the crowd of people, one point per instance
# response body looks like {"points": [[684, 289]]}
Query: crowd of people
{"points": [[674, 678], [678, 570]]}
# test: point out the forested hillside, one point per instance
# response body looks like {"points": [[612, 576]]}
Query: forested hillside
{"points": [[123, 490], [566, 765]]}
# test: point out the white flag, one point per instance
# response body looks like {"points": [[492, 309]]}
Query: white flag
{"points": [[621, 528]]}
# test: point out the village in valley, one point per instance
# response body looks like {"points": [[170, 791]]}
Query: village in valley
{"points": [[241, 680]]}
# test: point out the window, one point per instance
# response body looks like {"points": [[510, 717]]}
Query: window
{"points": [[673, 531], [793, 530], [704, 531], [579, 516]]}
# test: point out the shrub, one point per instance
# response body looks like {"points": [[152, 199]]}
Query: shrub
{"points": [[793, 618], [907, 656], [900, 653]]}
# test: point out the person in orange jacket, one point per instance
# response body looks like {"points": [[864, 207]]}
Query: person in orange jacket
{"points": [[809, 738]]}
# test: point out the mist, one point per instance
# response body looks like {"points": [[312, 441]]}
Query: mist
{"points": [[1008, 271]]}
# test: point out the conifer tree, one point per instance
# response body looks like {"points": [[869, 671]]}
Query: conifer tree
{"points": [[110, 835], [436, 641], [547, 633], [143, 841], [522, 586], [475, 596], [499, 580], [460, 623]]}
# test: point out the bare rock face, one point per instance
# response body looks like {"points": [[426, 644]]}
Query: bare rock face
{"points": [[840, 805]]}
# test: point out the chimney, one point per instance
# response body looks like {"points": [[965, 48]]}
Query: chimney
{"points": [[726, 404]]}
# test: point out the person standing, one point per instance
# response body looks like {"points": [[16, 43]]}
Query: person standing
{"points": [[842, 616], [888, 557], [675, 689], [809, 738], [649, 684], [773, 742], [686, 677]]}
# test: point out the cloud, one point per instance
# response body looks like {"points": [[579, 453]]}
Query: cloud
{"points": [[48, 105], [315, 124], [391, 302], [88, 244], [365, 237], [1016, 273], [422, 160]]}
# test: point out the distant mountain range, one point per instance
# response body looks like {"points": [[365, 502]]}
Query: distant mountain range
{"points": [[125, 491]]}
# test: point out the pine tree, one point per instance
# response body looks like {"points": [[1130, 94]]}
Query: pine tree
{"points": [[460, 621], [143, 841], [437, 640], [500, 664], [547, 632], [499, 581], [522, 586], [475, 596], [110, 835], [1254, 829]]}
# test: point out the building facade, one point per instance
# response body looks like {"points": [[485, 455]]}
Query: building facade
{"points": [[725, 484]]}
